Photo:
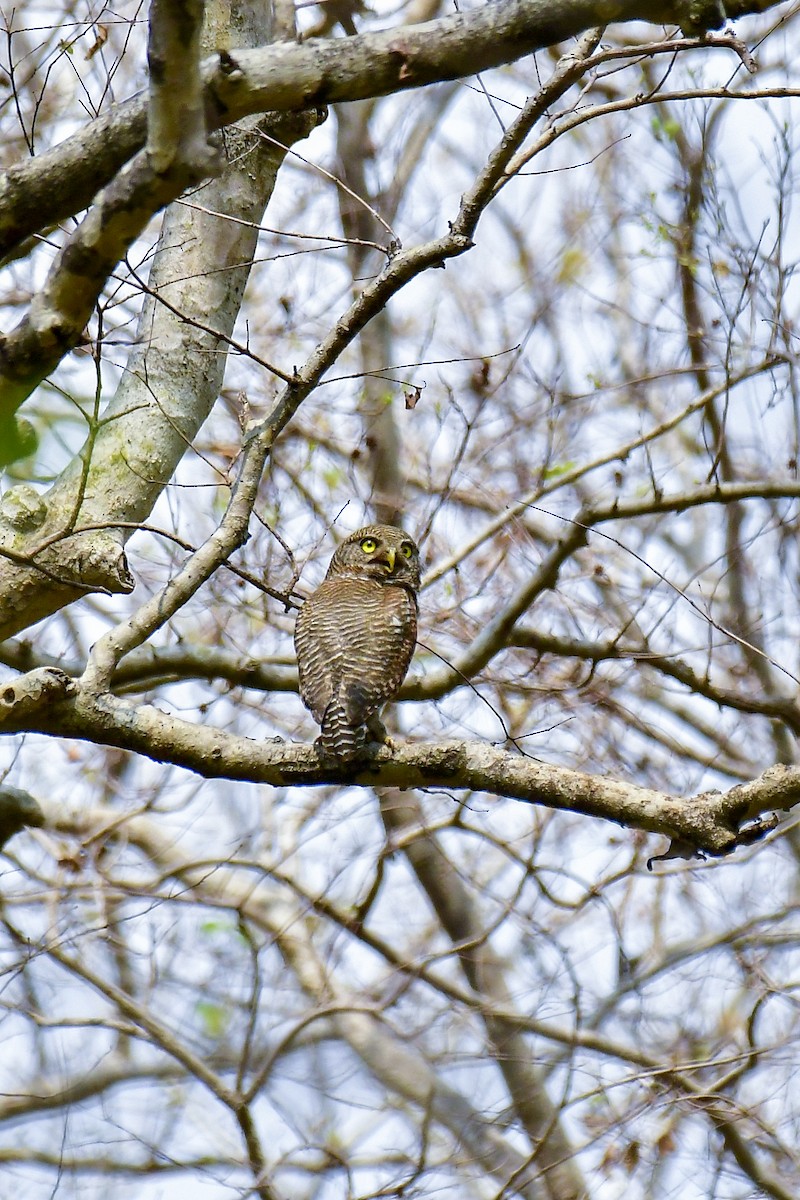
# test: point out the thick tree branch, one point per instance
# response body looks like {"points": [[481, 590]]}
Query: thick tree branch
{"points": [[116, 1168], [60, 311], [52, 1093], [201, 267], [176, 123], [177, 155], [48, 701], [286, 77]]}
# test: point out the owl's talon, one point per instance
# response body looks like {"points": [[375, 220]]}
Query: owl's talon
{"points": [[384, 743], [377, 730]]}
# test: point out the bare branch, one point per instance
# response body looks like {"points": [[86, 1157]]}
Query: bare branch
{"points": [[49, 702], [286, 77], [176, 124]]}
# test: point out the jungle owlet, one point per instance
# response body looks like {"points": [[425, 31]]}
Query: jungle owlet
{"points": [[355, 636]]}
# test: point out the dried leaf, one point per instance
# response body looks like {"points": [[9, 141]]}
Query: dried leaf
{"points": [[630, 1157], [100, 40]]}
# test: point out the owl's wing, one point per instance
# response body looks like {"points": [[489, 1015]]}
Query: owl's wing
{"points": [[319, 647]]}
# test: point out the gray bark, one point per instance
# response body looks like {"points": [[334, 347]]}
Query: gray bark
{"points": [[55, 185], [199, 274], [48, 701]]}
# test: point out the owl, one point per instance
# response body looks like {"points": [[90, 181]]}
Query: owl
{"points": [[355, 636]]}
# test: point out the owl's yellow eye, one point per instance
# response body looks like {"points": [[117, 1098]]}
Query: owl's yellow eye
{"points": [[406, 550], [368, 545]]}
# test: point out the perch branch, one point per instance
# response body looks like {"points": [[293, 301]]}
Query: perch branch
{"points": [[48, 701]]}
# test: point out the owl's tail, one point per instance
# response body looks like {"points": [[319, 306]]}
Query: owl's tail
{"points": [[338, 737]]}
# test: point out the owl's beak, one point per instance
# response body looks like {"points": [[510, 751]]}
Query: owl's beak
{"points": [[391, 555]]}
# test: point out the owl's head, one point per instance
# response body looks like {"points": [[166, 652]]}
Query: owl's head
{"points": [[381, 552]]}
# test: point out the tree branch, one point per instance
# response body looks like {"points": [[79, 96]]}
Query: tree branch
{"points": [[176, 122], [177, 155], [48, 701], [288, 77], [499, 632], [396, 1063], [785, 709], [459, 914]]}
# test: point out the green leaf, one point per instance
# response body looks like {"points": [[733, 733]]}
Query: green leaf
{"points": [[213, 1017], [557, 469]]}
